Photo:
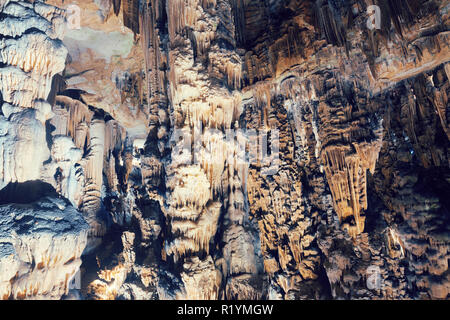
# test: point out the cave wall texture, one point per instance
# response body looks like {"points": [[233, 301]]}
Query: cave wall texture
{"points": [[224, 149]]}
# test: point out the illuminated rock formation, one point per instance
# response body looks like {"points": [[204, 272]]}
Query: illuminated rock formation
{"points": [[228, 149]]}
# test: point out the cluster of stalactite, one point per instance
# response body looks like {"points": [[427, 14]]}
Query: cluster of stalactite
{"points": [[314, 79], [290, 149]]}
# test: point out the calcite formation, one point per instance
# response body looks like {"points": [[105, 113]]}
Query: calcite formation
{"points": [[224, 149], [41, 246]]}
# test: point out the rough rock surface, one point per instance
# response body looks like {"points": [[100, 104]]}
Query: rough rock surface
{"points": [[225, 149], [41, 243]]}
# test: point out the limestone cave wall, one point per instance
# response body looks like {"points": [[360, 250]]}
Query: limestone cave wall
{"points": [[224, 149]]}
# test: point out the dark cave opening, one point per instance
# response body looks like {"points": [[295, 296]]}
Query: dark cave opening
{"points": [[26, 192]]}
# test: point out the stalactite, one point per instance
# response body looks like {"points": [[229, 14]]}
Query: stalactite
{"points": [[72, 118], [116, 6], [327, 23], [192, 29], [398, 12], [130, 10], [182, 13]]}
